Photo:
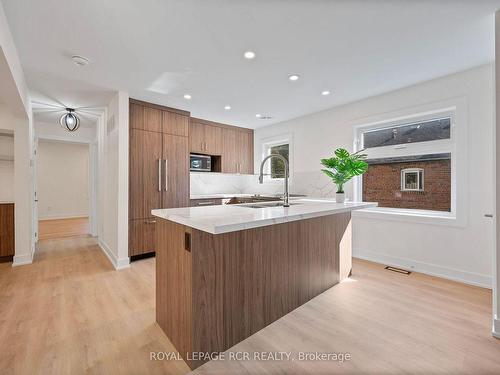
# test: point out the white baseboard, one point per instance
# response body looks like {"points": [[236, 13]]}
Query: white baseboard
{"points": [[60, 217], [118, 263], [21, 260], [475, 279], [496, 328]]}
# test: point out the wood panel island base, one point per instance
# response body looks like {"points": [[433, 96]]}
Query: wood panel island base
{"points": [[217, 286]]}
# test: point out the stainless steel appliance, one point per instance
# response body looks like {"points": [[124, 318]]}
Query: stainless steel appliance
{"points": [[200, 163]]}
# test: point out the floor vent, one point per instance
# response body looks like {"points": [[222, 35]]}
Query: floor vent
{"points": [[398, 270]]}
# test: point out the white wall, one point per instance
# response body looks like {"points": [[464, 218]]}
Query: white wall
{"points": [[460, 251], [113, 181], [62, 180], [6, 168], [16, 115], [56, 132], [23, 183]]}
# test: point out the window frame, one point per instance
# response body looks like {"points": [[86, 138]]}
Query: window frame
{"points": [[419, 172], [267, 144], [457, 109]]}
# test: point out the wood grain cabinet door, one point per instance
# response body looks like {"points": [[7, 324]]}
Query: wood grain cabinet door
{"points": [[244, 147], [142, 236], [197, 137], [6, 230], [175, 124], [145, 173], [176, 171], [145, 118], [213, 140], [229, 152]]}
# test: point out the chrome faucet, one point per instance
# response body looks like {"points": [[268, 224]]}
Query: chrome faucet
{"points": [[286, 195]]}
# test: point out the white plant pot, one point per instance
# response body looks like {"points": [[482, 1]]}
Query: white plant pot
{"points": [[340, 197]]}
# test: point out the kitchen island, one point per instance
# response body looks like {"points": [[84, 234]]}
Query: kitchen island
{"points": [[225, 272]]}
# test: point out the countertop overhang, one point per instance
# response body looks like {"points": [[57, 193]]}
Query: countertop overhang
{"points": [[232, 218]]}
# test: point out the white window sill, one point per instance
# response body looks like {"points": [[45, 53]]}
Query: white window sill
{"points": [[410, 215]]}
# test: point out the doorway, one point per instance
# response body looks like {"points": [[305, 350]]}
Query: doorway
{"points": [[63, 189]]}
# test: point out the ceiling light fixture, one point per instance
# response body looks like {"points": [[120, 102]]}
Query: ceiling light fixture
{"points": [[325, 93], [249, 55], [70, 120], [293, 77], [80, 60], [227, 107], [258, 115], [187, 96]]}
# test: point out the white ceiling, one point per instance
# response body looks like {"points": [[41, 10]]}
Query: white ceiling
{"points": [[158, 50]]}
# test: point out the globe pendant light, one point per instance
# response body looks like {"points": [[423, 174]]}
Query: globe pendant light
{"points": [[69, 120]]}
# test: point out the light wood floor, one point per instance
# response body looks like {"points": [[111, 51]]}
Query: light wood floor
{"points": [[57, 228], [71, 313]]}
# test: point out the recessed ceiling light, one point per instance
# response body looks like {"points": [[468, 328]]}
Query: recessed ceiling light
{"points": [[187, 96], [326, 92], [293, 77], [80, 60], [258, 115], [249, 55], [227, 107]]}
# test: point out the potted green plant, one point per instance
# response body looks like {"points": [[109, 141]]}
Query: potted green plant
{"points": [[342, 167]]}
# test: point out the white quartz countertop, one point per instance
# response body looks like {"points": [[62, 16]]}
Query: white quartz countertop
{"points": [[231, 218]]}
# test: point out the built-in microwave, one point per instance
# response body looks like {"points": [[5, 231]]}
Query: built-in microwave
{"points": [[200, 163]]}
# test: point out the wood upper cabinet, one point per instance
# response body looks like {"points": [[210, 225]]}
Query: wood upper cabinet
{"points": [[145, 176], [176, 171], [145, 118], [196, 137], [205, 138], [237, 151], [175, 124], [244, 149], [213, 140], [229, 151], [7, 230]]}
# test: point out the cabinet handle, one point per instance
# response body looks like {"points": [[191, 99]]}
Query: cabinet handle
{"points": [[206, 203], [166, 175], [159, 174], [150, 221]]}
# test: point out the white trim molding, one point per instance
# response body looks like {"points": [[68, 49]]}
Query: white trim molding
{"points": [[21, 260], [484, 281], [118, 263], [455, 108], [496, 327]]}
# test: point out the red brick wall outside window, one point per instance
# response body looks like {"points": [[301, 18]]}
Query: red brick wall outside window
{"points": [[382, 184]]}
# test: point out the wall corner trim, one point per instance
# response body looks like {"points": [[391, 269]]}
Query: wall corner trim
{"points": [[118, 263], [496, 328], [21, 260]]}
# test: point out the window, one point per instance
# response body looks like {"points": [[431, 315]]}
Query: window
{"points": [[277, 165], [412, 179], [423, 131], [409, 163]]}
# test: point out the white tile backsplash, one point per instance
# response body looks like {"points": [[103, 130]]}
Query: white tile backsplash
{"points": [[313, 184]]}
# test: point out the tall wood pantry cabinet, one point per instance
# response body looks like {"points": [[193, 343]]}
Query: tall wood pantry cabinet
{"points": [[158, 168]]}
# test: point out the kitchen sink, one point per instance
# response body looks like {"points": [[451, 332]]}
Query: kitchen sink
{"points": [[266, 205]]}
